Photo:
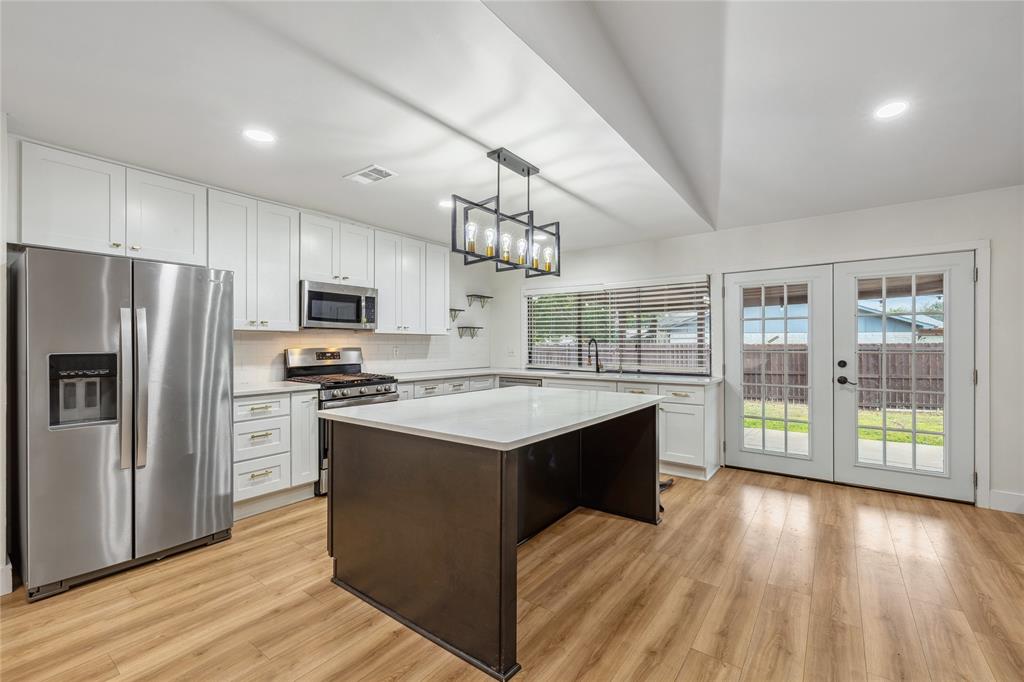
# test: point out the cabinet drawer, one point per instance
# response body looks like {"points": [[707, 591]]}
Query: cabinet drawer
{"points": [[639, 389], [456, 386], [481, 384], [427, 389], [260, 476], [262, 437], [580, 385], [262, 406], [693, 395]]}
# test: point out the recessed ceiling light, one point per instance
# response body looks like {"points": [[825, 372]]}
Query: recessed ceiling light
{"points": [[891, 109], [445, 203], [257, 135]]}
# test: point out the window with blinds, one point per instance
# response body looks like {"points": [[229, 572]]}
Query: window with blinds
{"points": [[656, 328]]}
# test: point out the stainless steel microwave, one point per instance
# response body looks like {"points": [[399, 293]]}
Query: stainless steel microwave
{"points": [[338, 306]]}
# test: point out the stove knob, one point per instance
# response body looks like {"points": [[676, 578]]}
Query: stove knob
{"points": [[344, 392], [363, 390], [380, 389], [389, 388]]}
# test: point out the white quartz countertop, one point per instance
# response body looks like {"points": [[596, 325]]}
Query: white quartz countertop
{"points": [[270, 387], [245, 390], [405, 377], [499, 420]]}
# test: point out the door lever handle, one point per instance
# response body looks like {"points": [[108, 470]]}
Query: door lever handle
{"points": [[843, 381]]}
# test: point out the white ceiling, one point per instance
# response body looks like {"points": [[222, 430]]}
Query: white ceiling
{"points": [[423, 89], [765, 108], [648, 119]]}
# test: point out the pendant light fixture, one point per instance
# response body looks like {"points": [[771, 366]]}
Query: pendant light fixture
{"points": [[482, 233]]}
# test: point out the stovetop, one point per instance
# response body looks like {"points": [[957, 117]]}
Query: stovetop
{"points": [[341, 380]]}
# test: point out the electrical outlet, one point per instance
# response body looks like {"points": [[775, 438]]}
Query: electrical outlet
{"points": [[510, 351], [394, 351]]}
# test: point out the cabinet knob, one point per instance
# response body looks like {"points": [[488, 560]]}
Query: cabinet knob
{"points": [[116, 245], [135, 247]]}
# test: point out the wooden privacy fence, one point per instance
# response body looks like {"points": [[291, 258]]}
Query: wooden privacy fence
{"points": [[680, 357], [901, 367]]}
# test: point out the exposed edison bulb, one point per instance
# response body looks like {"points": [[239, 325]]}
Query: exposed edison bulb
{"points": [[489, 235], [506, 246], [549, 255], [521, 251], [471, 229], [535, 256]]}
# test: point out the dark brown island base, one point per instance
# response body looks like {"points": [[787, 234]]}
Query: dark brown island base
{"points": [[429, 499]]}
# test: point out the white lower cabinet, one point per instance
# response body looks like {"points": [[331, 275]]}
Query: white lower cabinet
{"points": [[425, 389], [406, 391], [305, 438], [681, 433], [481, 383], [689, 441], [276, 440]]}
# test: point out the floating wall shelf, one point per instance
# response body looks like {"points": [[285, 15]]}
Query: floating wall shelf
{"points": [[454, 313], [472, 331], [482, 299]]}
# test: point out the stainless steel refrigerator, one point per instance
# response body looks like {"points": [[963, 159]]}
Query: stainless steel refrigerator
{"points": [[123, 412]]}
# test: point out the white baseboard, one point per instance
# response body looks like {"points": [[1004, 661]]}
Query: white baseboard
{"points": [[6, 578], [265, 503], [1004, 500]]}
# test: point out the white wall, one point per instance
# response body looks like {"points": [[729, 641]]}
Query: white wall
{"points": [[997, 216], [259, 356]]}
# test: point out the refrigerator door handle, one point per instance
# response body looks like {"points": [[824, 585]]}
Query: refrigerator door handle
{"points": [[126, 388], [142, 375]]}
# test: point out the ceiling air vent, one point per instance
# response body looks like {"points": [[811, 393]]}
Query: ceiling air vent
{"points": [[369, 175]]}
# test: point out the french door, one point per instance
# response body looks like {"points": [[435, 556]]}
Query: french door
{"points": [[886, 366], [778, 371]]}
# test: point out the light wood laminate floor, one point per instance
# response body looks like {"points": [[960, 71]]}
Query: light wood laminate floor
{"points": [[751, 576]]}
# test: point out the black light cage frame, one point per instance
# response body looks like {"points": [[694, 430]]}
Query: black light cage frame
{"points": [[524, 220]]}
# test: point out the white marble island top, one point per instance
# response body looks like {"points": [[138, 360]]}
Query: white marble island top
{"points": [[502, 419]]}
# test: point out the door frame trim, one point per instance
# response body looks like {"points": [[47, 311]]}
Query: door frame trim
{"points": [[982, 334]]}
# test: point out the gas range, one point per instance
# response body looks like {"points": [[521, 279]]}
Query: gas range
{"points": [[338, 372], [349, 385]]}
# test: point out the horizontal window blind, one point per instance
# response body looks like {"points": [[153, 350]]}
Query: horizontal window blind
{"points": [[656, 328]]}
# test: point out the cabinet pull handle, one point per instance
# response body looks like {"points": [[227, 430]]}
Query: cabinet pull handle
{"points": [[252, 321], [259, 474], [135, 247], [262, 434], [263, 322], [337, 277], [254, 408], [637, 390], [116, 245], [345, 277], [680, 394]]}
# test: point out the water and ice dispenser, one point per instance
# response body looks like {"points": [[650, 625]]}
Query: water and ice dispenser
{"points": [[83, 388]]}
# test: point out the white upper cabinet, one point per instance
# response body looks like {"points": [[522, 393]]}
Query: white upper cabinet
{"points": [[277, 267], [436, 292], [355, 262], [413, 282], [337, 252], [71, 201], [387, 265], [166, 218], [320, 238], [232, 233], [259, 242]]}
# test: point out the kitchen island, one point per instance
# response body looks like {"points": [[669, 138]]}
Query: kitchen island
{"points": [[429, 499]]}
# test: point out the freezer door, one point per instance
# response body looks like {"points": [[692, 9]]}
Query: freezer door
{"points": [[183, 321], [74, 413]]}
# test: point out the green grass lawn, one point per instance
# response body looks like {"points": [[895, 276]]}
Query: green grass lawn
{"points": [[869, 422]]}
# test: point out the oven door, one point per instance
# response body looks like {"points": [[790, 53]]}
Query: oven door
{"points": [[336, 306]]}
